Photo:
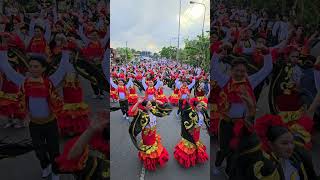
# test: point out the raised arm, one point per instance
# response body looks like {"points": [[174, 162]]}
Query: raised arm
{"points": [[144, 83], [258, 77], [113, 84], [83, 37], [177, 83], [192, 83], [58, 76], [105, 39], [10, 73], [129, 83], [215, 72], [106, 64], [158, 83], [31, 27], [47, 34]]}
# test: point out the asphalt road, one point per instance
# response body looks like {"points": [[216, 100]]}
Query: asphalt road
{"points": [[125, 164], [27, 167]]}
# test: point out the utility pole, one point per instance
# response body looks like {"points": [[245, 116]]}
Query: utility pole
{"points": [[126, 51], [179, 31]]}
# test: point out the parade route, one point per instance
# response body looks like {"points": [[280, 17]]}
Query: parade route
{"points": [[125, 164]]}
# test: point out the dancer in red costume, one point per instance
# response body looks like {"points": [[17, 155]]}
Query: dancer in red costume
{"points": [[123, 94], [160, 95], [151, 150], [190, 150], [38, 97]]}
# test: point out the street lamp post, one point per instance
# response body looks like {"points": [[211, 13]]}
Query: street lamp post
{"points": [[179, 30], [204, 15]]}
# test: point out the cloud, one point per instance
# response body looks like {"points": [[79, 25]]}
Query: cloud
{"points": [[152, 24]]}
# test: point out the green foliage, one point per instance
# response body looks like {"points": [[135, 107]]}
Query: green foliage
{"points": [[168, 52], [196, 52], [126, 54]]}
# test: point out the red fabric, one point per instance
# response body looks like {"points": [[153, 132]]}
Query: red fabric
{"points": [[36, 90], [288, 102], [70, 165], [70, 125], [196, 135], [37, 45], [150, 163], [98, 143], [150, 91], [149, 138], [215, 46], [72, 94], [306, 122], [262, 125], [16, 41], [9, 87], [94, 50]]}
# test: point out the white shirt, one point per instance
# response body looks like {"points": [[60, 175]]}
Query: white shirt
{"points": [[201, 119], [153, 120], [288, 170]]}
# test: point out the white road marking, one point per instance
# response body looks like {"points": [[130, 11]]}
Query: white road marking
{"points": [[143, 172]]}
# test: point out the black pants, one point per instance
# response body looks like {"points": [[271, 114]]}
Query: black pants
{"points": [[96, 90], [124, 105], [45, 139], [225, 135], [180, 106]]}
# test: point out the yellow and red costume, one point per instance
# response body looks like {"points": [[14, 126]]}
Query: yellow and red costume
{"points": [[190, 150], [73, 120], [161, 96], [175, 96], [9, 104], [200, 95], [38, 45], [151, 150], [151, 91], [42, 88], [133, 96]]}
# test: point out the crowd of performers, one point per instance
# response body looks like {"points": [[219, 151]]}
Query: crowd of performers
{"points": [[251, 50], [42, 56], [141, 90]]}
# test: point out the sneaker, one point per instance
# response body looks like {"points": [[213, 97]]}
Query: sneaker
{"points": [[94, 96], [55, 176], [127, 118], [124, 116], [46, 172]]}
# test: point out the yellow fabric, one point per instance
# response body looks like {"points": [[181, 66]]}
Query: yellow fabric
{"points": [[289, 116], [42, 120], [257, 172], [12, 97], [302, 132], [75, 106]]}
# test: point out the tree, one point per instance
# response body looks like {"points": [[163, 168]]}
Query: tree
{"points": [[196, 52], [168, 52], [125, 54]]}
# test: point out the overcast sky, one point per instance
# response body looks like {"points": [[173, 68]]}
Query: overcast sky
{"points": [[152, 24]]}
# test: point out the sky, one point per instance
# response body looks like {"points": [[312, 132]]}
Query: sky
{"points": [[148, 25]]}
